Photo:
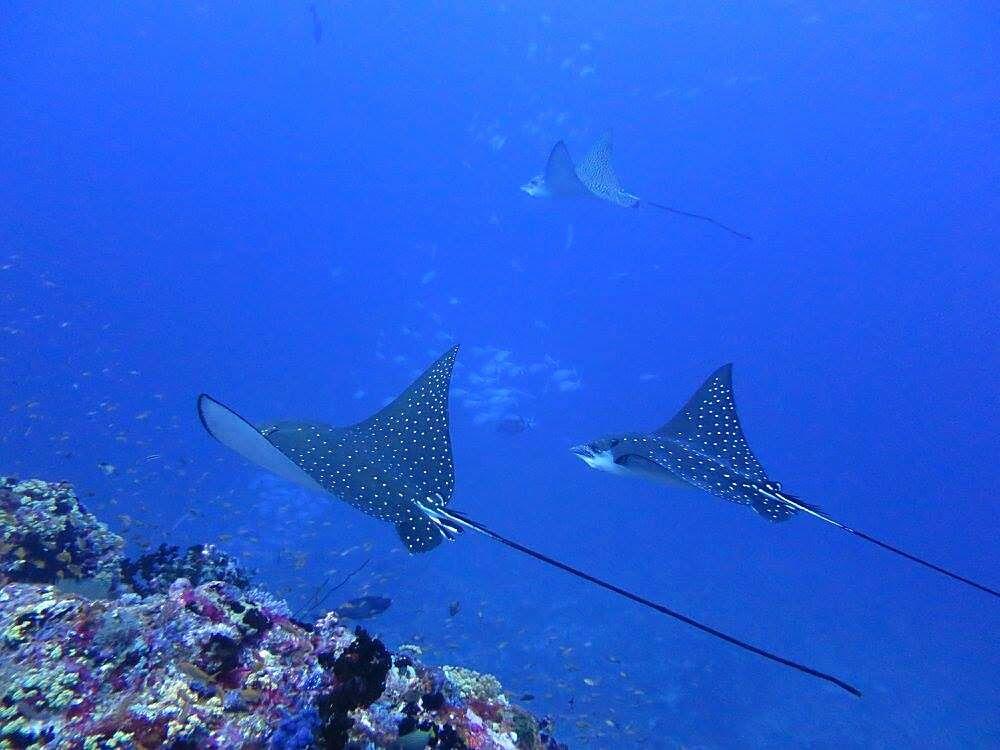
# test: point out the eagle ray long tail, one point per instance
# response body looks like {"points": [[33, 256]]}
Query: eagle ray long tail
{"points": [[469, 523], [798, 505], [709, 219]]}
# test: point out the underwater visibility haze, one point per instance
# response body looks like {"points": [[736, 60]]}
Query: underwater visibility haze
{"points": [[303, 209]]}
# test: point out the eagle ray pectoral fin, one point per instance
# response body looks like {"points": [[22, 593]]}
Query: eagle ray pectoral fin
{"points": [[560, 173], [235, 432], [650, 468]]}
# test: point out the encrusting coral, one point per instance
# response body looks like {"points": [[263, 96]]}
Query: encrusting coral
{"points": [[47, 536], [218, 665], [154, 571]]}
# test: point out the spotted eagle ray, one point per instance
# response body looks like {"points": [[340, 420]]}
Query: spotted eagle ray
{"points": [[704, 447], [397, 466], [595, 177]]}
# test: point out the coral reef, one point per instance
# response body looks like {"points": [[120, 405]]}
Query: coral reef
{"points": [[153, 572], [47, 536], [216, 665]]}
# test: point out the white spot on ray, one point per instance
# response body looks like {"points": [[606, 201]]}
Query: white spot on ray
{"points": [[382, 464], [704, 446], [708, 425]]}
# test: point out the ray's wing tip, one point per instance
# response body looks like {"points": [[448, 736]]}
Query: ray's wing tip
{"points": [[559, 147], [203, 403], [202, 399], [723, 373]]}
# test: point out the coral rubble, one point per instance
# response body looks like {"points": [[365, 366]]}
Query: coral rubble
{"points": [[217, 665]]}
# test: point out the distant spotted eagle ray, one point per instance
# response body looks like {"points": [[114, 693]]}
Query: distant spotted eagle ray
{"points": [[595, 177], [397, 466], [703, 446]]}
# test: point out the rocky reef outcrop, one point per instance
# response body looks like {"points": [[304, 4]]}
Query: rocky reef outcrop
{"points": [[213, 665], [47, 536]]}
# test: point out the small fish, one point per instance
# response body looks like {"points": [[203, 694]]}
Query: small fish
{"points": [[199, 675], [514, 424], [704, 447], [453, 608], [415, 740], [595, 177], [317, 26], [363, 607], [107, 468]]}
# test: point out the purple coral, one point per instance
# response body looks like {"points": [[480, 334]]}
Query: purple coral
{"points": [[297, 732]]}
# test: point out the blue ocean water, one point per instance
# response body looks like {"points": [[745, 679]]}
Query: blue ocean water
{"points": [[296, 218]]}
